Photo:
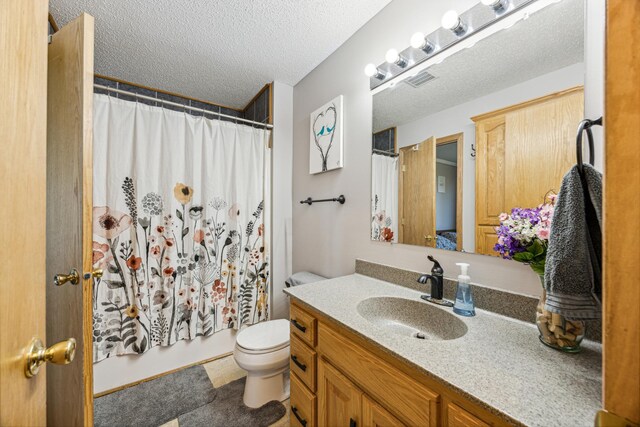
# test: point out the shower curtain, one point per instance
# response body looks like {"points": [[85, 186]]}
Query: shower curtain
{"points": [[179, 223], [384, 194]]}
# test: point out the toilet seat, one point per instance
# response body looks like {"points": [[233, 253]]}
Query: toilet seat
{"points": [[264, 337], [264, 351]]}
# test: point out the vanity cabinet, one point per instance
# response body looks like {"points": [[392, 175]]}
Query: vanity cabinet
{"points": [[522, 153], [340, 379]]}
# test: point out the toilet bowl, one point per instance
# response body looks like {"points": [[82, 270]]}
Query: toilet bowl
{"points": [[263, 351]]}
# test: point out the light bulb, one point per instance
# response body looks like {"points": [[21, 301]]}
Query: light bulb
{"points": [[371, 70], [392, 56], [418, 41], [450, 20]]}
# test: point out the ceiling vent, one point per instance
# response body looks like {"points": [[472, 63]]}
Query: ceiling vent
{"points": [[419, 79]]}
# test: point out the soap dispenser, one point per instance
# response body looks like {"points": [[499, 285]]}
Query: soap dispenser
{"points": [[464, 299]]}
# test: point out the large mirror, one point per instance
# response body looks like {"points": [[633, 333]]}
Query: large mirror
{"points": [[490, 128]]}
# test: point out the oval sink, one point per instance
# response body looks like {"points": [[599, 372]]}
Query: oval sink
{"points": [[412, 318]]}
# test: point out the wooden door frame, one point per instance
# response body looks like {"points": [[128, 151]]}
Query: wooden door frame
{"points": [[457, 138], [621, 225]]}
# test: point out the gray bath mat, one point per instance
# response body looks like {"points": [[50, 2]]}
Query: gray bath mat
{"points": [[229, 411], [155, 402]]}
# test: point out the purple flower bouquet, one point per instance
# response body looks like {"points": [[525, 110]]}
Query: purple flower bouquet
{"points": [[523, 235]]}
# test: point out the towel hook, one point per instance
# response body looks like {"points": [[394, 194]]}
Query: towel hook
{"points": [[585, 125]]}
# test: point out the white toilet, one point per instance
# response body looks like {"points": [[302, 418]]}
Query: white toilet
{"points": [[263, 351]]}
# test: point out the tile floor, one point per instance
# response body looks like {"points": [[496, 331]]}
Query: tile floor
{"points": [[223, 371]]}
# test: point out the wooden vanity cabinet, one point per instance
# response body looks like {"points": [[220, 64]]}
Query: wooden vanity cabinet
{"points": [[347, 381]]}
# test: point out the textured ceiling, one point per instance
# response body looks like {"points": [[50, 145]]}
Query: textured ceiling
{"points": [[547, 41], [222, 51]]}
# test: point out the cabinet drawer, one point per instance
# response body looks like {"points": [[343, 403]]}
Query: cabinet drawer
{"points": [[458, 417], [303, 404], [409, 400], [303, 362], [303, 325]]}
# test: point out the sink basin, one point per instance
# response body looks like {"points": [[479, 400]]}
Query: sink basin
{"points": [[412, 318]]}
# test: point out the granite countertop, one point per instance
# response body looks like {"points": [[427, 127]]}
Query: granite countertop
{"points": [[499, 363]]}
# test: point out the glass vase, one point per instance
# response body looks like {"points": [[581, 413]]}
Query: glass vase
{"points": [[555, 330]]}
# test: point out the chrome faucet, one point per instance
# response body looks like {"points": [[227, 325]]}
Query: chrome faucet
{"points": [[437, 284]]}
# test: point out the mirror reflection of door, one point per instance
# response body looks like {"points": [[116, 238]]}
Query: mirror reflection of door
{"points": [[449, 192], [417, 197]]}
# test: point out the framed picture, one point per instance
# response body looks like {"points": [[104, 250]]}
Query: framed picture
{"points": [[326, 137]]}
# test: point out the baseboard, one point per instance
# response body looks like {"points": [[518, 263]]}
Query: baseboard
{"points": [[162, 374]]}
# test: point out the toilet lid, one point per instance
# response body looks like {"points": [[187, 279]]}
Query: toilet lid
{"points": [[264, 335]]}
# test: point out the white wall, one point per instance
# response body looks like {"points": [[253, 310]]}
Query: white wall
{"points": [[117, 371], [281, 196], [327, 237], [595, 13], [458, 119]]}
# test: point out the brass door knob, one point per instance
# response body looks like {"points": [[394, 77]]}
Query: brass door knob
{"points": [[61, 279], [61, 353], [97, 273], [428, 238]]}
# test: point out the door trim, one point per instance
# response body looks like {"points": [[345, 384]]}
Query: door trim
{"points": [[621, 229], [457, 138]]}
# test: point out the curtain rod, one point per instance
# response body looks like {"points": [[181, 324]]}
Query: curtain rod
{"points": [[175, 104]]}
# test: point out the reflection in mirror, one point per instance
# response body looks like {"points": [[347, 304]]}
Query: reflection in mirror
{"points": [[490, 128]]}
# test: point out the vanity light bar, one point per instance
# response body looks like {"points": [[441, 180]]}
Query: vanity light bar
{"points": [[457, 32]]}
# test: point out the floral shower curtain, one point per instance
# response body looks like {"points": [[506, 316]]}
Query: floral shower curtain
{"points": [[384, 193], [179, 226]]}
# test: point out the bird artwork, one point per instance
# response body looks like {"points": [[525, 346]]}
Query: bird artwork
{"points": [[325, 126]]}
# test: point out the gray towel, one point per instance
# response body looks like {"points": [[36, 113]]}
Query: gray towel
{"points": [[302, 278], [573, 275]]}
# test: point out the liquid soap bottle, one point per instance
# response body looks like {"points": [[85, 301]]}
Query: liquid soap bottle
{"points": [[464, 299]]}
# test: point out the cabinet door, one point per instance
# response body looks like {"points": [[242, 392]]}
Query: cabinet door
{"points": [[540, 147], [490, 169], [374, 415], [458, 417], [339, 400], [486, 238]]}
